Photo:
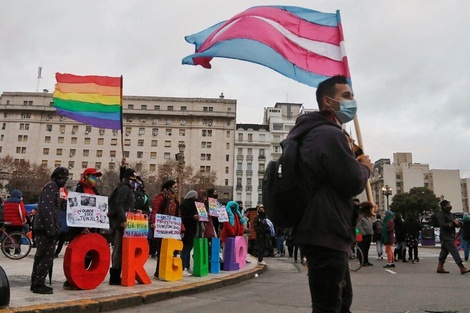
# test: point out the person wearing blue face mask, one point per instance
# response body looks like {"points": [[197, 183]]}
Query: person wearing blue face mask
{"points": [[332, 175]]}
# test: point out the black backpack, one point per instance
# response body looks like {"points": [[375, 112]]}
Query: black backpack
{"points": [[284, 197]]}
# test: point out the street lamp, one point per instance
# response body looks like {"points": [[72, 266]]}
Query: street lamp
{"points": [[180, 159], [387, 191]]}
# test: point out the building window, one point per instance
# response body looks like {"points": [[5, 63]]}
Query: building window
{"points": [[130, 106], [166, 155], [167, 143], [113, 142], [97, 165], [47, 139], [153, 155], [25, 126], [128, 130], [25, 115], [22, 138], [57, 163], [59, 151], [140, 154], [170, 108], [250, 137], [184, 108], [87, 140], [45, 151], [143, 107], [127, 142], [72, 153], [140, 143], [240, 137], [126, 154], [141, 131], [227, 158], [71, 164], [49, 128], [87, 129], [21, 150], [226, 170], [86, 152], [102, 131], [73, 140], [168, 132], [226, 182], [74, 129], [228, 134], [111, 165], [207, 133], [84, 164], [154, 143], [60, 140], [100, 141], [99, 153], [182, 132], [44, 163], [227, 146], [205, 169], [156, 107], [112, 153], [154, 131]]}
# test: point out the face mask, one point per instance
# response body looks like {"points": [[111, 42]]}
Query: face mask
{"points": [[347, 110], [92, 180], [215, 196], [61, 181]]}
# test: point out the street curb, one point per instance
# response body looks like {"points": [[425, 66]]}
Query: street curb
{"points": [[112, 303]]}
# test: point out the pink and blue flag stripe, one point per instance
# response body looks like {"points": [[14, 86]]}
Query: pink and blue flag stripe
{"points": [[302, 44]]}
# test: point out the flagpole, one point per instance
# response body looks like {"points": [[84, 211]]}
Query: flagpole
{"points": [[356, 120], [122, 122]]}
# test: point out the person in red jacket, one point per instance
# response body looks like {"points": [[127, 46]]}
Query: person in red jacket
{"points": [[14, 213], [234, 227]]}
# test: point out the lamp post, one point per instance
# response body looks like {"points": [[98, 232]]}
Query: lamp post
{"points": [[387, 191], [180, 159]]}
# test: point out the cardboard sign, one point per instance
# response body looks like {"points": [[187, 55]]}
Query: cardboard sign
{"points": [[167, 226], [201, 210], [213, 205], [222, 214], [136, 225], [85, 210]]}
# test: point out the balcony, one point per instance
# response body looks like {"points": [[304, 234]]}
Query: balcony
{"points": [[261, 172], [239, 187], [249, 172], [239, 172], [249, 157], [239, 157], [261, 157], [248, 187]]}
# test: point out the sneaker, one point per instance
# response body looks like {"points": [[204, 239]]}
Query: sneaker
{"points": [[186, 273], [261, 263], [42, 289], [392, 265], [389, 265]]}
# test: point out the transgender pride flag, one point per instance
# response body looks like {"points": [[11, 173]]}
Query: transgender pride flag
{"points": [[302, 44], [94, 100]]}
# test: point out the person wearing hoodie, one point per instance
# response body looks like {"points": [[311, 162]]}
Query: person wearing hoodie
{"points": [[333, 173], [190, 218], [14, 214], [388, 238], [263, 233], [46, 226], [234, 226]]}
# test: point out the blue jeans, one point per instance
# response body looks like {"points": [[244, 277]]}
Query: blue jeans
{"points": [[186, 254], [280, 245], [328, 279]]}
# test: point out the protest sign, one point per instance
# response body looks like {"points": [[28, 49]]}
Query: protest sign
{"points": [[213, 204], [201, 210], [222, 214], [136, 225], [167, 226], [86, 210]]}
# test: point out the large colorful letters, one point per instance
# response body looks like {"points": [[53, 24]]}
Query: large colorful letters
{"points": [[135, 253]]}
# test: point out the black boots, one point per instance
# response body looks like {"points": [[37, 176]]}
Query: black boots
{"points": [[115, 276], [403, 255]]}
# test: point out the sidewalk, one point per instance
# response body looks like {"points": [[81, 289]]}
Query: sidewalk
{"points": [[106, 297]]}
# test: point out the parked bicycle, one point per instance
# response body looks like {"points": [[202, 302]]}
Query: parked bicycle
{"points": [[356, 258], [14, 245]]}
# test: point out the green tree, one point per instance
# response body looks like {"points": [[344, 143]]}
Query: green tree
{"points": [[418, 201]]}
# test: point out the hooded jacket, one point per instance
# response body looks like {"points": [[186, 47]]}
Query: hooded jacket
{"points": [[234, 227], [332, 177]]}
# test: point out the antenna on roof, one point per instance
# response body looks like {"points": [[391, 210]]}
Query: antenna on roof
{"points": [[39, 77]]}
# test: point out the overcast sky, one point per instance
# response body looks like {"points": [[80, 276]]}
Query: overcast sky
{"points": [[409, 62]]}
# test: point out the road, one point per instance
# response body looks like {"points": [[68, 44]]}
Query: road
{"points": [[283, 288]]}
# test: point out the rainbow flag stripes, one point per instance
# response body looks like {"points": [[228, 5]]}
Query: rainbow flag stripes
{"points": [[93, 100]]}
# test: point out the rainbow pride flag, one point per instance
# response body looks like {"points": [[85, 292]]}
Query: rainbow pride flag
{"points": [[93, 100]]}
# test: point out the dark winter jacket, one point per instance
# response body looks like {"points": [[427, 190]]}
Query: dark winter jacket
{"points": [[121, 202], [188, 210], [446, 223], [47, 218], [261, 227], [399, 229], [412, 227], [13, 210], [330, 168]]}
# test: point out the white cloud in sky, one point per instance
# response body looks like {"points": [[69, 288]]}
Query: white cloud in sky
{"points": [[409, 62]]}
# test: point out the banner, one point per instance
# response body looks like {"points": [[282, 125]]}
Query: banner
{"points": [[136, 226], [201, 210], [167, 226], [85, 210]]}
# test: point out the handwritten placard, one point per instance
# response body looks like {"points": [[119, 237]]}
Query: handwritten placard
{"points": [[85, 210], [213, 204], [222, 214], [136, 225], [201, 210], [167, 226]]}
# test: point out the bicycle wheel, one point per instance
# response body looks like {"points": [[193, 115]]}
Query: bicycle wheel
{"points": [[356, 258], [16, 245]]}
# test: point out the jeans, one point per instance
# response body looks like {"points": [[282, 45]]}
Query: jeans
{"points": [[464, 244], [448, 246], [186, 254], [328, 279], [280, 245]]}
